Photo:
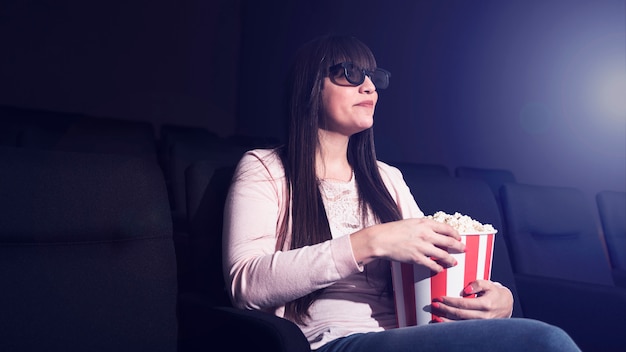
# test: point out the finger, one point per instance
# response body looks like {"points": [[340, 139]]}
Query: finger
{"points": [[478, 287], [442, 257], [459, 311], [447, 263], [450, 243], [438, 319], [462, 303], [444, 229], [442, 320], [429, 263]]}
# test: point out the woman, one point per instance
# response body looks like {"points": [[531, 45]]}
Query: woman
{"points": [[310, 228]]}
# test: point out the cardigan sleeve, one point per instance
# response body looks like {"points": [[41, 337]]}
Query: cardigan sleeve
{"points": [[258, 275]]}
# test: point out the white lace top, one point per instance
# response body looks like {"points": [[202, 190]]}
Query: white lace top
{"points": [[342, 206]]}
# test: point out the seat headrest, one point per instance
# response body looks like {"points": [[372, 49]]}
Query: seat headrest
{"points": [[65, 197]]}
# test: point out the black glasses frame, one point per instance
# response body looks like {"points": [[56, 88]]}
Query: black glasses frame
{"points": [[379, 77]]}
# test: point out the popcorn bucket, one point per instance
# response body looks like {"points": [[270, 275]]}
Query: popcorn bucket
{"points": [[415, 286]]}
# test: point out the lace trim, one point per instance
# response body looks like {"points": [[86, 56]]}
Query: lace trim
{"points": [[342, 206]]}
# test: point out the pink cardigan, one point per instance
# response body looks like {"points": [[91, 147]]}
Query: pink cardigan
{"points": [[261, 277]]}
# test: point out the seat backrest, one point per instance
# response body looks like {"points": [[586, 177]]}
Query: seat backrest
{"points": [[87, 259], [94, 135], [472, 198], [207, 186], [612, 208], [170, 134], [552, 232], [494, 178], [10, 125], [251, 142], [16, 121], [412, 170], [185, 153], [9, 133]]}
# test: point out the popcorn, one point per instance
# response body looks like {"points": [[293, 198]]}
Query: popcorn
{"points": [[462, 223]]}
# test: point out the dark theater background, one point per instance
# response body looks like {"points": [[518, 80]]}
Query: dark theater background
{"points": [[534, 87]]}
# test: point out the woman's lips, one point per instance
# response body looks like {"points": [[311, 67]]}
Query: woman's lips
{"points": [[366, 104]]}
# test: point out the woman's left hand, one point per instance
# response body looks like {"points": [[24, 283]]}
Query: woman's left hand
{"points": [[492, 301]]}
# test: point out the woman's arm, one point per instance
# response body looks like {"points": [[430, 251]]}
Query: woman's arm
{"points": [[418, 241], [259, 276]]}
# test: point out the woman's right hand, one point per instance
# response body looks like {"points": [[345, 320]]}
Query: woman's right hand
{"points": [[417, 241]]}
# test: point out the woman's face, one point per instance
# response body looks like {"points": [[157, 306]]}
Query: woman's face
{"points": [[348, 109]]}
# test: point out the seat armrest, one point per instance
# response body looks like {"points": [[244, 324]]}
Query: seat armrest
{"points": [[202, 327], [594, 315]]}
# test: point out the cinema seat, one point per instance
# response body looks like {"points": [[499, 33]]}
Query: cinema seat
{"points": [[92, 135], [494, 178], [170, 134], [419, 170], [561, 270], [87, 259], [553, 233], [612, 208]]}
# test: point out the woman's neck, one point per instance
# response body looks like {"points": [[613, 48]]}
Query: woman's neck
{"points": [[331, 161]]}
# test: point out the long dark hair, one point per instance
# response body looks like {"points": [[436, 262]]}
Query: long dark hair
{"points": [[309, 223]]}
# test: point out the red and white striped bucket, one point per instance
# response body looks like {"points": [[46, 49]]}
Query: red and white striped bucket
{"points": [[415, 286]]}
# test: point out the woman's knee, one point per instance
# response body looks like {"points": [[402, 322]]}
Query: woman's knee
{"points": [[541, 336]]}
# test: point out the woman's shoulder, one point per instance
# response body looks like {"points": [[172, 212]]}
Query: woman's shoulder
{"points": [[399, 190], [392, 177], [262, 154], [260, 161], [388, 171]]}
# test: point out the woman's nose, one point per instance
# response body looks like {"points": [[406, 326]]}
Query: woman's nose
{"points": [[368, 86]]}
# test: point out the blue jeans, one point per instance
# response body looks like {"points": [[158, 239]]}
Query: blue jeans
{"points": [[511, 335]]}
